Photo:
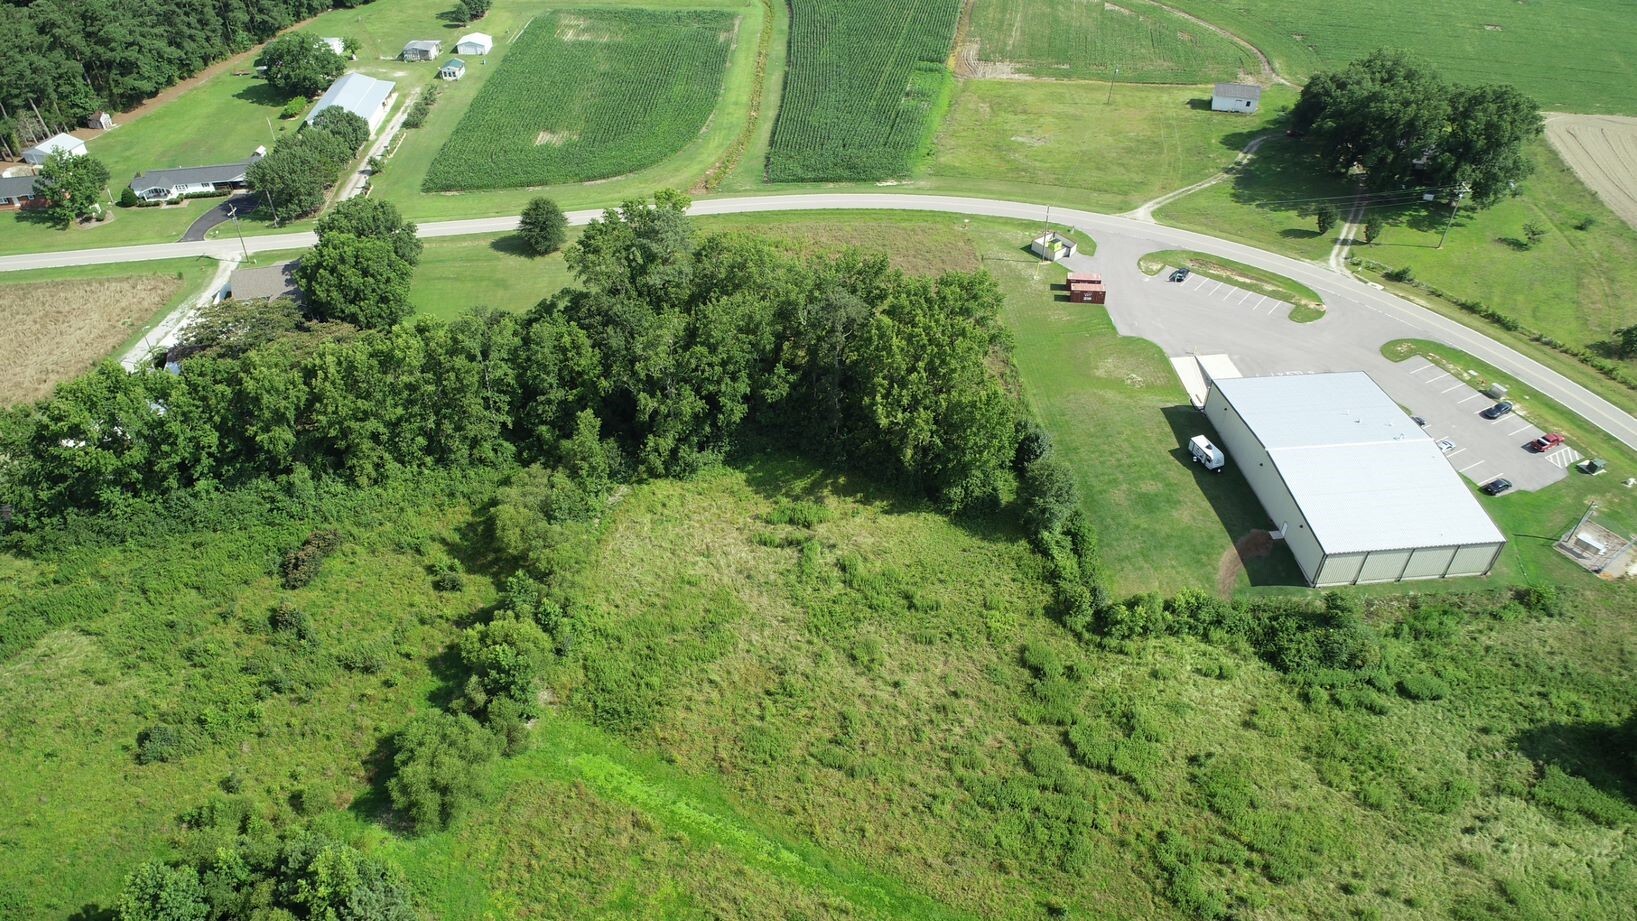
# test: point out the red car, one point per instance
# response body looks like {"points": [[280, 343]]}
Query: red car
{"points": [[1546, 442]]}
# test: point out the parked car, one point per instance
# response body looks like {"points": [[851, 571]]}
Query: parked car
{"points": [[1445, 445], [1498, 410], [1546, 442], [1179, 275], [1496, 486], [1419, 421]]}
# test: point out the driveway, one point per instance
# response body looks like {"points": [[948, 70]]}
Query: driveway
{"points": [[245, 203]]}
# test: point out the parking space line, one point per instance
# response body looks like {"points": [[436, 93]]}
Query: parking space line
{"points": [[1216, 289], [1260, 303], [1470, 399], [1275, 306], [1522, 428], [1458, 385], [1455, 452], [1424, 368], [1436, 378], [1470, 466], [1243, 298]]}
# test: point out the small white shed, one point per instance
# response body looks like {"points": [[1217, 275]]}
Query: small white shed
{"points": [[454, 69], [41, 152], [422, 50], [1244, 98], [475, 43], [1053, 245]]}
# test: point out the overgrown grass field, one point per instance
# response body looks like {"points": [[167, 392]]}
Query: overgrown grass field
{"points": [[1087, 39], [865, 85], [588, 94]]}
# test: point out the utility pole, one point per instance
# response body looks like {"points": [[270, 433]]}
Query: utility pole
{"points": [[1111, 80], [1460, 194], [233, 212]]}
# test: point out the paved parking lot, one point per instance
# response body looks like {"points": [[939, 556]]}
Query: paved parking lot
{"points": [[1484, 448], [1199, 285]]}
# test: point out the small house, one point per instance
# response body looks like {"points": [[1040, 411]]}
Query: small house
{"points": [[453, 70], [66, 143], [1236, 97], [339, 46], [1087, 288], [172, 184], [423, 50], [363, 96], [1053, 246], [475, 43], [100, 121], [18, 192]]}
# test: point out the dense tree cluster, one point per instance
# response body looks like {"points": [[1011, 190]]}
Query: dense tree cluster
{"points": [[293, 176], [674, 344], [1401, 124], [299, 64], [70, 58]]}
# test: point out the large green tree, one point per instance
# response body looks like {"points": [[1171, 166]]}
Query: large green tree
{"points": [[1483, 149], [71, 186], [156, 892], [375, 219], [357, 279], [299, 64], [349, 127], [439, 768], [543, 226]]}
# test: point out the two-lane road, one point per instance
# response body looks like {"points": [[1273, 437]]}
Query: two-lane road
{"points": [[1340, 293]]}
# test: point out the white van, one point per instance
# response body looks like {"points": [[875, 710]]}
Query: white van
{"points": [[1206, 453]]}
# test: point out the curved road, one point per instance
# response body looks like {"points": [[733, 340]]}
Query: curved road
{"points": [[1340, 293]]}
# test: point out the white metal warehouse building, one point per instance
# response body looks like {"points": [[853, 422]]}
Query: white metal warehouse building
{"points": [[1359, 491]]}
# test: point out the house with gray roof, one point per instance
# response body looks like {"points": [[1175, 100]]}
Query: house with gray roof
{"points": [[18, 192], [363, 96], [1236, 97], [423, 50], [170, 184]]}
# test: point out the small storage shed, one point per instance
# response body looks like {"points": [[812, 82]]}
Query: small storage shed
{"points": [[42, 151], [1053, 245], [1087, 288], [423, 50], [101, 121], [454, 69], [1236, 97], [475, 43]]}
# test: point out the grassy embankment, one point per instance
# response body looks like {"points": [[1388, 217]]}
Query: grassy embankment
{"points": [[1308, 306]]}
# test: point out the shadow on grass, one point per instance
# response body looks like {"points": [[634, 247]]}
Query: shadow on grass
{"points": [[1237, 509], [1600, 753], [262, 93], [513, 244]]}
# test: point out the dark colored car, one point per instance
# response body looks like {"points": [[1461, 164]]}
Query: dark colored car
{"points": [[1179, 275], [1498, 410], [1495, 487]]}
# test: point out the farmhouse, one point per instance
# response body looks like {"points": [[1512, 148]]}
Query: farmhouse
{"points": [[1356, 489], [168, 184], [453, 70], [1053, 245], [1236, 97], [475, 43], [424, 50], [366, 97], [18, 192], [67, 143]]}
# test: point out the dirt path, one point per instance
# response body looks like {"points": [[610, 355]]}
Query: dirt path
{"points": [[168, 331], [1252, 546], [1269, 75], [1347, 236], [1145, 211], [1602, 151]]}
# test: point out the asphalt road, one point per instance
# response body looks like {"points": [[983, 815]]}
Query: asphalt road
{"points": [[1346, 298], [220, 214]]}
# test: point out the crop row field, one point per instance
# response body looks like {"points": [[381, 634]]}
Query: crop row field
{"points": [[864, 82], [1571, 57], [1082, 39], [589, 94]]}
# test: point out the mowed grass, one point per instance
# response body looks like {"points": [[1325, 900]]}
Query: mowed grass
{"points": [[457, 274], [62, 321], [588, 94], [1068, 143], [1083, 39], [1570, 57], [864, 86]]}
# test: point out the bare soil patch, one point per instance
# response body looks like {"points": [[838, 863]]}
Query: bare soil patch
{"points": [[1602, 151], [555, 138], [1253, 546], [57, 329]]}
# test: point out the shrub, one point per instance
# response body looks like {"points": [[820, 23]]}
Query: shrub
{"points": [[301, 565], [1401, 274], [1572, 795], [128, 198], [159, 744], [293, 108], [156, 892], [506, 657], [1047, 493], [1423, 687], [799, 514], [1541, 600], [438, 768], [445, 577], [287, 618]]}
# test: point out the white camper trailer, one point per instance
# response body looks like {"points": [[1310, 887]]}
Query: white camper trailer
{"points": [[1206, 453]]}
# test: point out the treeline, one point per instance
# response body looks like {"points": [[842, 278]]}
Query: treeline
{"points": [[66, 59], [677, 345]]}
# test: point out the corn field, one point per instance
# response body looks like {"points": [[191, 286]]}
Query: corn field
{"points": [[863, 82], [588, 94]]}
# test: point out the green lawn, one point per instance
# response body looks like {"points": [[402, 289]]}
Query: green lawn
{"points": [[1569, 57], [1087, 39], [458, 273], [1065, 143]]}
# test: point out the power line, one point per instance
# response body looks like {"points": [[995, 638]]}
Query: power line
{"points": [[1371, 197]]}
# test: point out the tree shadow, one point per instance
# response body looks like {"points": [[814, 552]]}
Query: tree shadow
{"points": [[93, 912], [1514, 244], [262, 93], [1603, 754], [453, 18], [513, 244], [1237, 509], [375, 803]]}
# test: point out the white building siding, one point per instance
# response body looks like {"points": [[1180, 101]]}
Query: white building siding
{"points": [[1246, 454]]}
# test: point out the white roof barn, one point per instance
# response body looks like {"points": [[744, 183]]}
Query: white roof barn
{"points": [[1236, 97], [1358, 490], [364, 96], [422, 50], [475, 43], [42, 151]]}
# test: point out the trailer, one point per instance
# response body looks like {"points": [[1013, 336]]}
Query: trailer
{"points": [[1087, 288], [1203, 452]]}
